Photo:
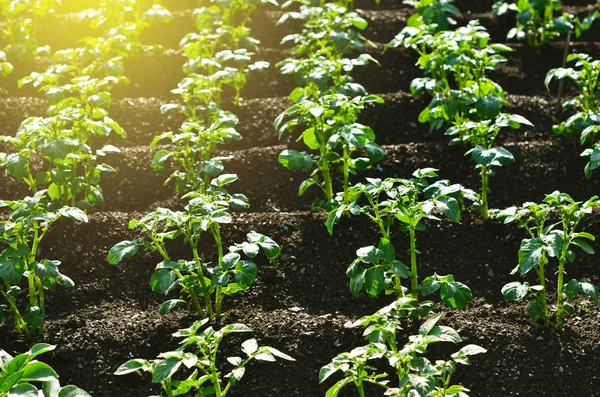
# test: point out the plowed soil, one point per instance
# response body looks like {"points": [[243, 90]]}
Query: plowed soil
{"points": [[301, 302]]}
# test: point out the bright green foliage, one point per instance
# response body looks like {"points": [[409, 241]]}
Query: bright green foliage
{"points": [[330, 126], [327, 101], [412, 373], [457, 64], [432, 12], [29, 223], [126, 20], [23, 375], [536, 22], [72, 169], [481, 136], [198, 278], [192, 148], [409, 202], [197, 358], [20, 23], [546, 241], [586, 106], [331, 32]]}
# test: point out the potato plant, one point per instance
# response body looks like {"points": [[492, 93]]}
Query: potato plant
{"points": [[481, 136], [457, 64], [536, 20], [549, 240], [436, 13], [412, 374], [197, 359], [330, 126], [127, 19], [198, 279], [586, 105], [405, 203], [24, 375], [19, 30], [20, 262]]}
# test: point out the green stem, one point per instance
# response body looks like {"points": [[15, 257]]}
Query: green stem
{"points": [[561, 296], [484, 193], [542, 280], [360, 387], [205, 290], [216, 231], [414, 278], [326, 179], [20, 324], [346, 174]]}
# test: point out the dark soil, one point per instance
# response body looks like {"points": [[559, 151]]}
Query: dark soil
{"points": [[301, 302]]}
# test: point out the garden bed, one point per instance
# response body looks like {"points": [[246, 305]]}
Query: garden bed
{"points": [[301, 302]]}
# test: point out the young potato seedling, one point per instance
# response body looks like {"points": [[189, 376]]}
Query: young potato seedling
{"points": [[586, 105], [433, 13], [416, 375], [546, 241], [481, 136], [20, 376], [457, 64], [197, 356], [330, 126], [30, 221], [409, 202], [196, 278], [536, 22]]}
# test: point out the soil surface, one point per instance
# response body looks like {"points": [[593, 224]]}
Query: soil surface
{"points": [[301, 303]]}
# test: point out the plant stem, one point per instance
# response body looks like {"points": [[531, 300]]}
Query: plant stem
{"points": [[326, 179], [20, 324], [216, 232], [484, 193], [346, 174], [561, 298], [360, 387], [543, 292], [414, 278], [205, 290]]}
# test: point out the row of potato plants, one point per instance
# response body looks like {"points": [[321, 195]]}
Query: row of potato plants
{"points": [[219, 58], [469, 102], [55, 157], [457, 64], [18, 31], [326, 107]]}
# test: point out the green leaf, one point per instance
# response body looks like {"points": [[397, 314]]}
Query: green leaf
{"points": [[245, 273], [488, 107], [572, 289], [584, 245], [163, 280], [169, 305], [38, 371], [335, 389], [122, 250], [73, 391], [590, 290], [294, 160], [131, 366], [368, 254], [530, 254], [449, 207], [515, 291], [455, 294], [23, 390], [73, 213], [375, 281], [165, 369]]}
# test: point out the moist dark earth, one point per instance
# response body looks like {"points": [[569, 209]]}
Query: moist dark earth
{"points": [[301, 303]]}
